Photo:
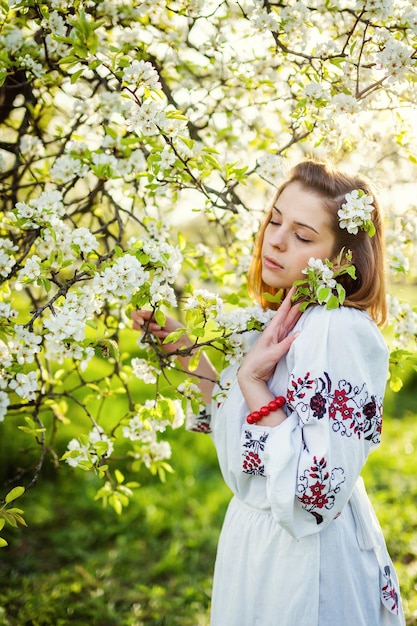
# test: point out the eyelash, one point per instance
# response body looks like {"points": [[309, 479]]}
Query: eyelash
{"points": [[298, 236]]}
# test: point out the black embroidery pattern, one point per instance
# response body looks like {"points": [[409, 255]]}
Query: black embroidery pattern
{"points": [[317, 487], [252, 455], [351, 408]]}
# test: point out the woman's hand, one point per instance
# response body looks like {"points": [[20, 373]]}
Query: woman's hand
{"points": [[145, 322], [260, 362], [274, 342], [205, 373]]}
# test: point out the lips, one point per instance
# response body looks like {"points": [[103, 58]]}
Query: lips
{"points": [[271, 264]]}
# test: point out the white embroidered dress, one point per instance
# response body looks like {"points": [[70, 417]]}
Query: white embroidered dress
{"points": [[300, 544]]}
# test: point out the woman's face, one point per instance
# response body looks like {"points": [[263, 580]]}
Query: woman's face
{"points": [[299, 229]]}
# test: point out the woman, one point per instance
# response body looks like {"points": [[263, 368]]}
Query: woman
{"points": [[300, 545]]}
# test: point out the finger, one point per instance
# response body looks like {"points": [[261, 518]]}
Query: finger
{"points": [[138, 323], [293, 316], [284, 319], [281, 348], [141, 313]]}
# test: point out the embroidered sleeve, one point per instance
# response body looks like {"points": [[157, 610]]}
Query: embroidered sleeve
{"points": [[335, 390], [200, 423], [253, 442]]}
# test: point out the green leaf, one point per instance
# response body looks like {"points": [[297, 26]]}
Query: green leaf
{"points": [[332, 302], [14, 494], [160, 318], [175, 335], [269, 297], [119, 476], [323, 293]]}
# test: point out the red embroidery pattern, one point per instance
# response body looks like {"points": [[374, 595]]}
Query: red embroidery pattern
{"points": [[351, 408], [201, 423], [390, 595], [252, 455], [317, 487]]}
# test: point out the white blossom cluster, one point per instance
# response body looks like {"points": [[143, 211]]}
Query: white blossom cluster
{"points": [[205, 301], [4, 403], [89, 450], [320, 273], [236, 324], [398, 261], [151, 118], [144, 371], [144, 430], [7, 259], [120, 280], [403, 319], [356, 212], [15, 353], [272, 167], [142, 74], [67, 168], [41, 210], [395, 58], [191, 391]]}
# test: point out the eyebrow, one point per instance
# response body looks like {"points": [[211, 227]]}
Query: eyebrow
{"points": [[298, 223]]}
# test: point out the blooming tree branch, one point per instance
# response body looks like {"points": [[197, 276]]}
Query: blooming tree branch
{"points": [[139, 145]]}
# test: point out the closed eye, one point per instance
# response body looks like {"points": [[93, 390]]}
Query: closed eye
{"points": [[302, 238]]}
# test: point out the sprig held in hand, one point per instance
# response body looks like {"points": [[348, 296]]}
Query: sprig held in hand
{"points": [[321, 286]]}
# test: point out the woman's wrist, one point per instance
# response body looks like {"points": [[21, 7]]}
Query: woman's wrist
{"points": [[257, 396]]}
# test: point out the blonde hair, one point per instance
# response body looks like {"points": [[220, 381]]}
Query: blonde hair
{"points": [[367, 292]]}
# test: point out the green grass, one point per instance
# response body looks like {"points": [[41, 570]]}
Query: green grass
{"points": [[78, 563]]}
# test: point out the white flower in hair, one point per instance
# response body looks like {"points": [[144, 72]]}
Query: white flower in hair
{"points": [[356, 212]]}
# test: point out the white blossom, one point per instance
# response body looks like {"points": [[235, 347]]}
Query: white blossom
{"points": [[343, 103], [146, 119], [40, 210], [56, 23], [356, 211], [93, 450], [31, 146], [272, 167], [58, 236], [66, 168], [25, 385], [144, 371], [394, 57], [161, 292], [317, 91], [204, 300], [143, 75], [7, 263], [322, 272], [6, 358], [30, 64], [4, 403], [124, 278], [6, 310], [25, 345], [31, 270], [85, 239]]}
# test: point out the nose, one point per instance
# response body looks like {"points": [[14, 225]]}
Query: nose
{"points": [[278, 239]]}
